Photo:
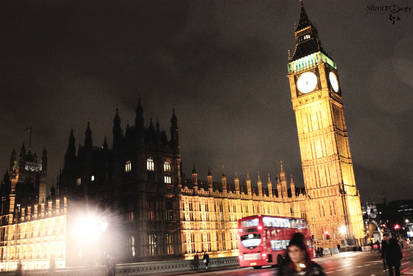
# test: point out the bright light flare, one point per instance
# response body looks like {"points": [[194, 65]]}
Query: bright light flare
{"points": [[89, 227]]}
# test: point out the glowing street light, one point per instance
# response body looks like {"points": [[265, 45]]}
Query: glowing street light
{"points": [[89, 227], [86, 239], [342, 229]]}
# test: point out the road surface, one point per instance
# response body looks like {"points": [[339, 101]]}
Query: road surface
{"points": [[343, 264]]}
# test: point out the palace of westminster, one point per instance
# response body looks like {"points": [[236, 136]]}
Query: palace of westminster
{"points": [[154, 211]]}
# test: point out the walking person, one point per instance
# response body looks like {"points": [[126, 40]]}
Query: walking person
{"points": [[196, 262], [206, 260], [391, 252], [297, 260], [19, 270]]}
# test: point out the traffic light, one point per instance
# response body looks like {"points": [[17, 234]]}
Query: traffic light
{"points": [[327, 235], [396, 227]]}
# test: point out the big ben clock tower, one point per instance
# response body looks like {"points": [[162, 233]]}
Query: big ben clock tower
{"points": [[334, 210]]}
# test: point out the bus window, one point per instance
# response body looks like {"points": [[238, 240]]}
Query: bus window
{"points": [[249, 223], [251, 241]]}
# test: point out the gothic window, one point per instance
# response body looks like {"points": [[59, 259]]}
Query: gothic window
{"points": [[153, 244], [151, 207], [132, 246], [192, 242], [167, 179], [184, 241], [217, 237], [150, 165], [169, 244], [208, 242], [166, 166], [128, 166]]}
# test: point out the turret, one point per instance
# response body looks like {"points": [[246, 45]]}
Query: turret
{"points": [[236, 183], [13, 160], [210, 183], [88, 137], [117, 131], [283, 181], [174, 132], [105, 144], [279, 190], [44, 161], [269, 185], [70, 154], [248, 184], [224, 183], [22, 155], [139, 125], [194, 177], [259, 184]]}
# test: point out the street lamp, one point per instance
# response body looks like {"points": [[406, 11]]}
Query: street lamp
{"points": [[89, 227], [86, 236]]}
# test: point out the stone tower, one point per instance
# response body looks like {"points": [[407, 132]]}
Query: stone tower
{"points": [[334, 210]]}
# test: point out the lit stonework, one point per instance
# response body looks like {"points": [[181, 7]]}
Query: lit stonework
{"points": [[334, 201], [36, 237], [210, 211]]}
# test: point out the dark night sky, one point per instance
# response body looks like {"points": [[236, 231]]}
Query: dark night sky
{"points": [[221, 64]]}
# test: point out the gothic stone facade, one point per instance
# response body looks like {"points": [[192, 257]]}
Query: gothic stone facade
{"points": [[210, 210]]}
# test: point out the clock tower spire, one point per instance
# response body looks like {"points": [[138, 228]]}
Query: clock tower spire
{"points": [[306, 37], [323, 138]]}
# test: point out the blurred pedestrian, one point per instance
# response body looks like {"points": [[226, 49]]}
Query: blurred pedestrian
{"points": [[297, 260], [206, 260], [391, 252], [195, 262], [110, 265], [19, 270]]}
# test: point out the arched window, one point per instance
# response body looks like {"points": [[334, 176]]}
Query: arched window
{"points": [[166, 166], [128, 166], [167, 179], [150, 165]]}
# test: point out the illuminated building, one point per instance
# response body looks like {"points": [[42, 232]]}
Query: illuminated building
{"points": [[316, 96], [36, 237], [210, 210], [32, 230], [157, 213]]}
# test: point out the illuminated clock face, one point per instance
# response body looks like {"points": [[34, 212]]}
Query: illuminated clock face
{"points": [[333, 81], [307, 82]]}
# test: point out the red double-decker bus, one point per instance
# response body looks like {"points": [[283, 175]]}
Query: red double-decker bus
{"points": [[263, 239]]}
